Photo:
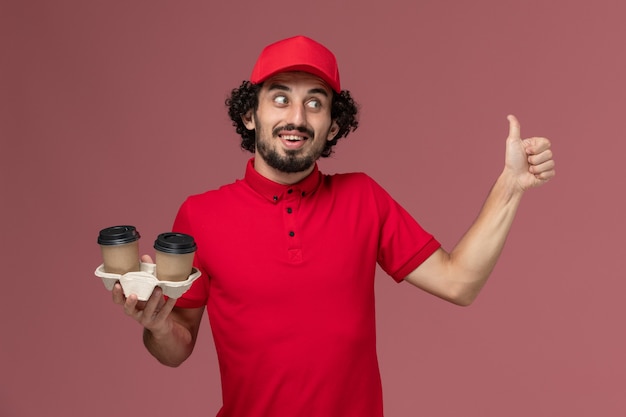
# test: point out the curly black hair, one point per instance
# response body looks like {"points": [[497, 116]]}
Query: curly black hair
{"points": [[246, 97]]}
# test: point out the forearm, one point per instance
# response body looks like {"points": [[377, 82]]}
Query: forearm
{"points": [[476, 254], [172, 346]]}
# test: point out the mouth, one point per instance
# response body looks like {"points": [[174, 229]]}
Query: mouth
{"points": [[293, 142], [293, 134], [293, 138]]}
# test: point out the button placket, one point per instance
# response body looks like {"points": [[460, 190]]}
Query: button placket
{"points": [[291, 203]]}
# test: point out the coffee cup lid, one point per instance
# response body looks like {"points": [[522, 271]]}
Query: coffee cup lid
{"points": [[118, 235], [177, 243]]}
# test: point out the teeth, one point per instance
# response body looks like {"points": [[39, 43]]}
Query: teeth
{"points": [[292, 137]]}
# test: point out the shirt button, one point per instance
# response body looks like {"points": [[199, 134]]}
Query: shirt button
{"points": [[289, 191], [292, 234], [289, 210], [275, 198], [303, 193]]}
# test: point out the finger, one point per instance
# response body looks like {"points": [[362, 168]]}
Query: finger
{"points": [[546, 175], [154, 316], [146, 259], [118, 294], [154, 302], [514, 127], [167, 307], [130, 306], [536, 145], [540, 158], [543, 168]]}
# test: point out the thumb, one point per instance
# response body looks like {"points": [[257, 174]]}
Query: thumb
{"points": [[514, 127], [146, 259]]}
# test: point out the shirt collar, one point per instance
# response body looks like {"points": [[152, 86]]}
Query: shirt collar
{"points": [[274, 191]]}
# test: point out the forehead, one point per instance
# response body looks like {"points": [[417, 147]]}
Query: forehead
{"points": [[297, 79]]}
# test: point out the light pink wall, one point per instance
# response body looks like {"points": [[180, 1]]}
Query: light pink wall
{"points": [[112, 112]]}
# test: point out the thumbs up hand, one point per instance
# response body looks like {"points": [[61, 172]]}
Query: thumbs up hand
{"points": [[529, 161]]}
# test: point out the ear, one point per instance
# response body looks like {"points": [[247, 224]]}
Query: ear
{"points": [[332, 132], [248, 120]]}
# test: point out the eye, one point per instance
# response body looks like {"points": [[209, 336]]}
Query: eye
{"points": [[282, 100], [314, 104]]}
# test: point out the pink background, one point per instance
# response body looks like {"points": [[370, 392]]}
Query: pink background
{"points": [[112, 112]]}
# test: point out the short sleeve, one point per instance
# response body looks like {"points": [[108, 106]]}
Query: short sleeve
{"points": [[197, 295], [403, 243]]}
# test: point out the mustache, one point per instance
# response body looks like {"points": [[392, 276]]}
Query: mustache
{"points": [[301, 129]]}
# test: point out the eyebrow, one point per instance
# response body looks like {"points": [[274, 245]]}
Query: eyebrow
{"points": [[282, 87]]}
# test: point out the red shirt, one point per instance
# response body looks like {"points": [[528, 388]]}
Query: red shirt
{"points": [[288, 281]]}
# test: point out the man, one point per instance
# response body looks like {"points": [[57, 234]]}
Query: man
{"points": [[288, 255]]}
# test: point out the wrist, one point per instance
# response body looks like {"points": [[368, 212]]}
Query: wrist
{"points": [[509, 185]]}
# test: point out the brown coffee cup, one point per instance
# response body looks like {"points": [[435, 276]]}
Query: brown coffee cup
{"points": [[174, 256], [120, 249]]}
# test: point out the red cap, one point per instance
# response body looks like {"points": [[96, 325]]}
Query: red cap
{"points": [[297, 54]]}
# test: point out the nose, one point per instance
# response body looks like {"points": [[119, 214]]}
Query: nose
{"points": [[297, 115]]}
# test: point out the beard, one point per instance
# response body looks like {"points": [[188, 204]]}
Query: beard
{"points": [[293, 160]]}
